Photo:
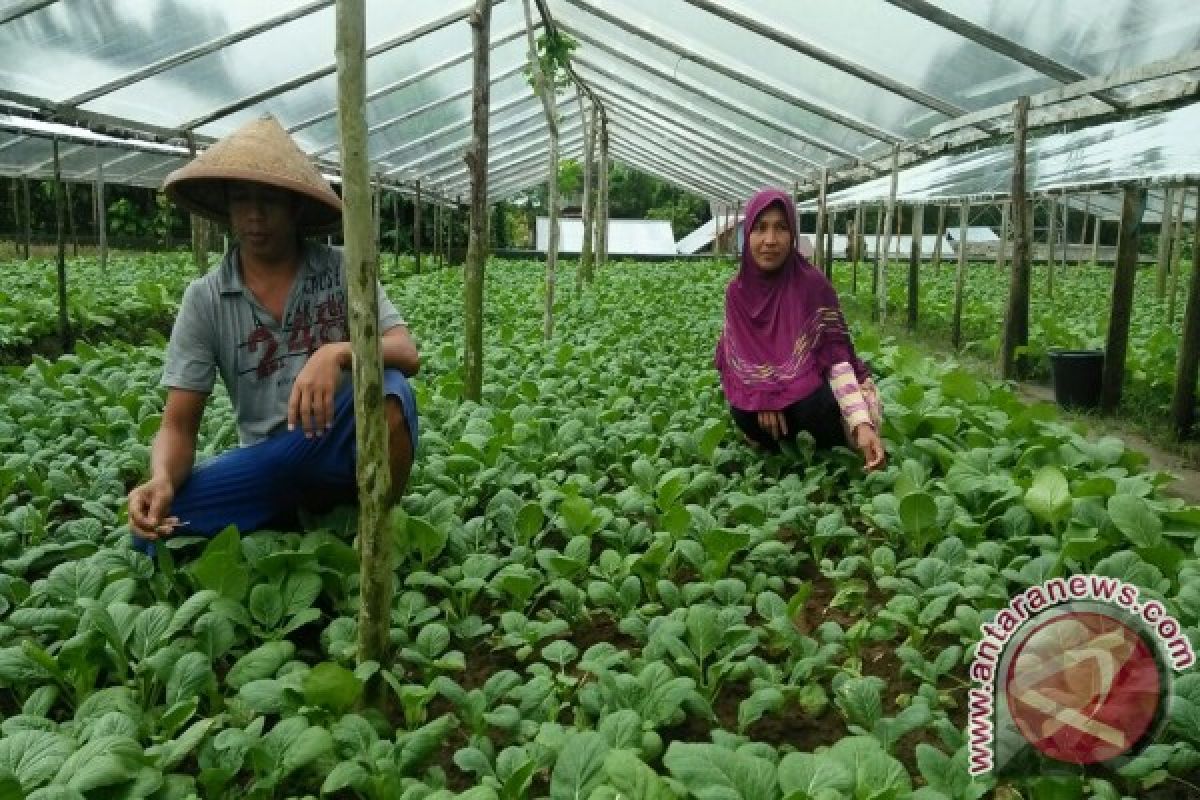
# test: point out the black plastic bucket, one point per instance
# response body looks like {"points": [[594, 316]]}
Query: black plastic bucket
{"points": [[1077, 375]]}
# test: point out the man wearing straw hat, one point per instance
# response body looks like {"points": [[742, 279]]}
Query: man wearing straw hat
{"points": [[271, 319]]}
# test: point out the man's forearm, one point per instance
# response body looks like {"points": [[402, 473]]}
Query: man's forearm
{"points": [[398, 353], [172, 456]]}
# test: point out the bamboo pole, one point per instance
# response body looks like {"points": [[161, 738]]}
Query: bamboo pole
{"points": [[875, 261], [830, 227], [1087, 211], [65, 335], [101, 214], [436, 255], [914, 265], [1176, 252], [1164, 245], [856, 245], [960, 274], [373, 474], [417, 229], [15, 194], [1051, 245], [477, 163], [196, 224], [71, 220], [396, 231], [1066, 219], [1005, 222], [822, 220], [1096, 240], [881, 265], [602, 216], [27, 216], [377, 211], [1133, 206], [1187, 364], [941, 238], [545, 90], [586, 254], [1016, 320]]}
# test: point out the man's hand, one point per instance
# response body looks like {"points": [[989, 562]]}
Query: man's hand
{"points": [[867, 440], [773, 422], [311, 402], [148, 504]]}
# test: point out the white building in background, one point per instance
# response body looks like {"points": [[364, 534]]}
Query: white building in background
{"points": [[626, 237]]}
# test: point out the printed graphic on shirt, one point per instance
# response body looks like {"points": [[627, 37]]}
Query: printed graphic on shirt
{"points": [[315, 318]]}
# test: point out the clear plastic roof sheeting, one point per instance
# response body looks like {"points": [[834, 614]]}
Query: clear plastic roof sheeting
{"points": [[1155, 149], [719, 97]]}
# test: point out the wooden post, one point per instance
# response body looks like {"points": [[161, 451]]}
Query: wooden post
{"points": [[737, 240], [822, 219], [65, 335], [477, 162], [941, 238], [875, 261], [1096, 240], [960, 275], [1051, 245], [914, 265], [197, 224], [586, 253], [1066, 220], [1087, 211], [1132, 207], [545, 89], [857, 246], [881, 264], [1164, 245], [1176, 253], [396, 231], [101, 214], [436, 255], [1016, 320], [1187, 364], [362, 267], [417, 229], [71, 221], [377, 211], [27, 217], [1002, 252], [602, 215], [830, 228]]}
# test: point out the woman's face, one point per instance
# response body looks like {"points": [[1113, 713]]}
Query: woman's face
{"points": [[770, 239]]}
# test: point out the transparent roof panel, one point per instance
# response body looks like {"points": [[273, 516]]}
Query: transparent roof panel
{"points": [[66, 48], [1095, 37]]}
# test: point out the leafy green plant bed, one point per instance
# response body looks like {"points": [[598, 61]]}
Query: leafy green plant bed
{"points": [[601, 591]]}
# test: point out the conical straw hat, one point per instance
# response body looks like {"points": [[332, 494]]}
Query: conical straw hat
{"points": [[259, 151]]}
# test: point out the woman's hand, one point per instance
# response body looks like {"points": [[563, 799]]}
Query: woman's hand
{"points": [[867, 440], [773, 422]]}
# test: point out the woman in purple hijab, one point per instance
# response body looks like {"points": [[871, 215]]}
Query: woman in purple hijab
{"points": [[785, 356]]}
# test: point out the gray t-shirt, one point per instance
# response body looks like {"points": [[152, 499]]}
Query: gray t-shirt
{"points": [[222, 327]]}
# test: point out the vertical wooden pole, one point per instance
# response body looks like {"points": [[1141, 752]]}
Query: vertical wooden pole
{"points": [[1087, 211], [1051, 244], [65, 334], [436, 255], [1176, 253], [914, 265], [70, 202], [101, 213], [857, 246], [27, 215], [586, 252], [377, 211], [197, 225], [878, 255], [545, 90], [941, 238], [1133, 206], [362, 267], [1187, 364], [1164, 244], [417, 229], [737, 240], [822, 220], [881, 264], [477, 163], [960, 275], [1096, 240], [396, 231], [1066, 220], [1002, 252], [602, 215], [830, 228], [1016, 320]]}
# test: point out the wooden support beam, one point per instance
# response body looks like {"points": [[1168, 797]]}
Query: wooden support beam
{"points": [[586, 254], [544, 87], [822, 214], [941, 238], [830, 227], [856, 242], [1176, 252], [396, 232], [362, 268], [417, 226], [960, 275], [1133, 206], [1096, 240], [27, 215], [1051, 244], [602, 216], [1016, 320], [1164, 246], [101, 214], [1005, 220], [1187, 364], [914, 265], [881, 264], [65, 335]]}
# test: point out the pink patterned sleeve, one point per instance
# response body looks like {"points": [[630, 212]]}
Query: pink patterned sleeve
{"points": [[849, 396]]}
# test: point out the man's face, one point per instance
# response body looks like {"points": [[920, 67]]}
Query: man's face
{"points": [[263, 219]]}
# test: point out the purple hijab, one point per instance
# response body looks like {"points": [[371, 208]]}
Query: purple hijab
{"points": [[784, 329]]}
